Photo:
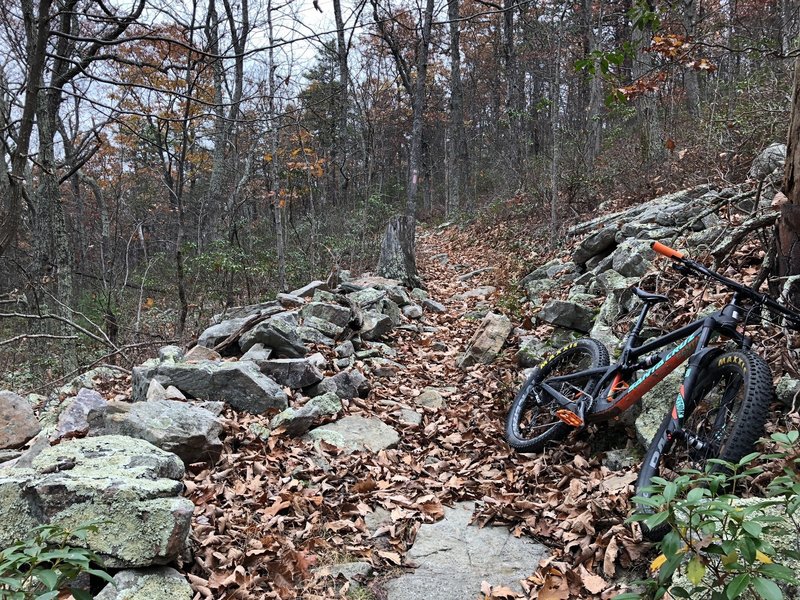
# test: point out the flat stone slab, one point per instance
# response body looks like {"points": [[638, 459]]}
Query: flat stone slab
{"points": [[357, 433], [455, 557]]}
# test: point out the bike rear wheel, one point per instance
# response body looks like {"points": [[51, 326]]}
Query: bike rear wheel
{"points": [[531, 421], [728, 409]]}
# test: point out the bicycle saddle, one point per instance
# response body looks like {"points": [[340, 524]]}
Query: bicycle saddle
{"points": [[649, 298]]}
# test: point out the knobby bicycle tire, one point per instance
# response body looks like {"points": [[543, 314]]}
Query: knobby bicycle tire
{"points": [[530, 425], [729, 406]]}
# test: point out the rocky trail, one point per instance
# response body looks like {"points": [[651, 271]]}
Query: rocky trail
{"points": [[447, 511], [347, 441]]}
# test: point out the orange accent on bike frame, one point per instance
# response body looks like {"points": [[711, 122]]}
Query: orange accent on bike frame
{"points": [[666, 250], [569, 417], [642, 386], [618, 385]]}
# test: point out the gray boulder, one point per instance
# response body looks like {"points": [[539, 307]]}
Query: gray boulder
{"points": [[787, 391], [220, 332], [398, 294], [314, 336], [531, 352], [73, 420], [632, 258], [345, 384], [278, 333], [600, 242], [655, 405], [367, 298], [188, 431], [355, 433], [771, 158], [128, 485], [412, 311], [567, 314], [308, 290], [153, 583], [333, 313], [375, 325], [430, 398], [290, 301], [326, 328], [18, 423], [240, 384], [391, 310], [433, 306], [294, 373], [297, 421], [257, 352], [487, 341], [345, 349]]}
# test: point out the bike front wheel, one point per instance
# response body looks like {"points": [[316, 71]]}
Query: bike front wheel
{"points": [[532, 421], [728, 409]]}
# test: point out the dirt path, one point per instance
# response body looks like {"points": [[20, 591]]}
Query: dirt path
{"points": [[275, 510]]}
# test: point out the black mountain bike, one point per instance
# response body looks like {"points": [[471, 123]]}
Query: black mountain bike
{"points": [[719, 410]]}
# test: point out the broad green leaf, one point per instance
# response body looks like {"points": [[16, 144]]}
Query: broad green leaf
{"points": [[101, 574], [737, 585], [768, 590], [48, 577], [752, 528]]}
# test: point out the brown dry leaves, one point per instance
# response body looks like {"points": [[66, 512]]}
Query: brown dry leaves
{"points": [[272, 512]]}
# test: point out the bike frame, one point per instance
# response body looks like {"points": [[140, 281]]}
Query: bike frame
{"points": [[614, 400]]}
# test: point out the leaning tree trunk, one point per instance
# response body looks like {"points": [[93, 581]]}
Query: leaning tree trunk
{"points": [[398, 252], [788, 252]]}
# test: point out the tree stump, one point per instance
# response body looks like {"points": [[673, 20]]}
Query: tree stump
{"points": [[398, 251]]}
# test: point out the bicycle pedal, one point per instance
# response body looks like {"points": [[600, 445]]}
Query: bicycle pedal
{"points": [[569, 417]]}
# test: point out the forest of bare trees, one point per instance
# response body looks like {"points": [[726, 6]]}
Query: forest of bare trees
{"points": [[161, 160]]}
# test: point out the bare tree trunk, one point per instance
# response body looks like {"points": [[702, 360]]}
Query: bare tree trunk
{"points": [[418, 110], [339, 150], [788, 233], [593, 114], [277, 201], [458, 146], [398, 251], [690, 77], [555, 120]]}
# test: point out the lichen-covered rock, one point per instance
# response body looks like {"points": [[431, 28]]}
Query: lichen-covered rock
{"points": [[531, 352], [326, 328], [18, 423], [368, 297], [240, 384], [188, 431], [154, 583], [412, 311], [129, 486], [487, 341], [333, 313], [297, 421], [632, 258], [357, 433], [308, 290]]}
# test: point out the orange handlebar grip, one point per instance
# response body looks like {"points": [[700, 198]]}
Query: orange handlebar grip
{"points": [[666, 250]]}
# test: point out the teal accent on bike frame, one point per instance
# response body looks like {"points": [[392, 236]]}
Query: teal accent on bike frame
{"points": [[684, 349]]}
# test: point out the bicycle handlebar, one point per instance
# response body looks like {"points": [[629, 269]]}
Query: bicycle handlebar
{"points": [[757, 297]]}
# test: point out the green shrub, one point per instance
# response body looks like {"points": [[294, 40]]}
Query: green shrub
{"points": [[46, 563], [719, 547]]}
